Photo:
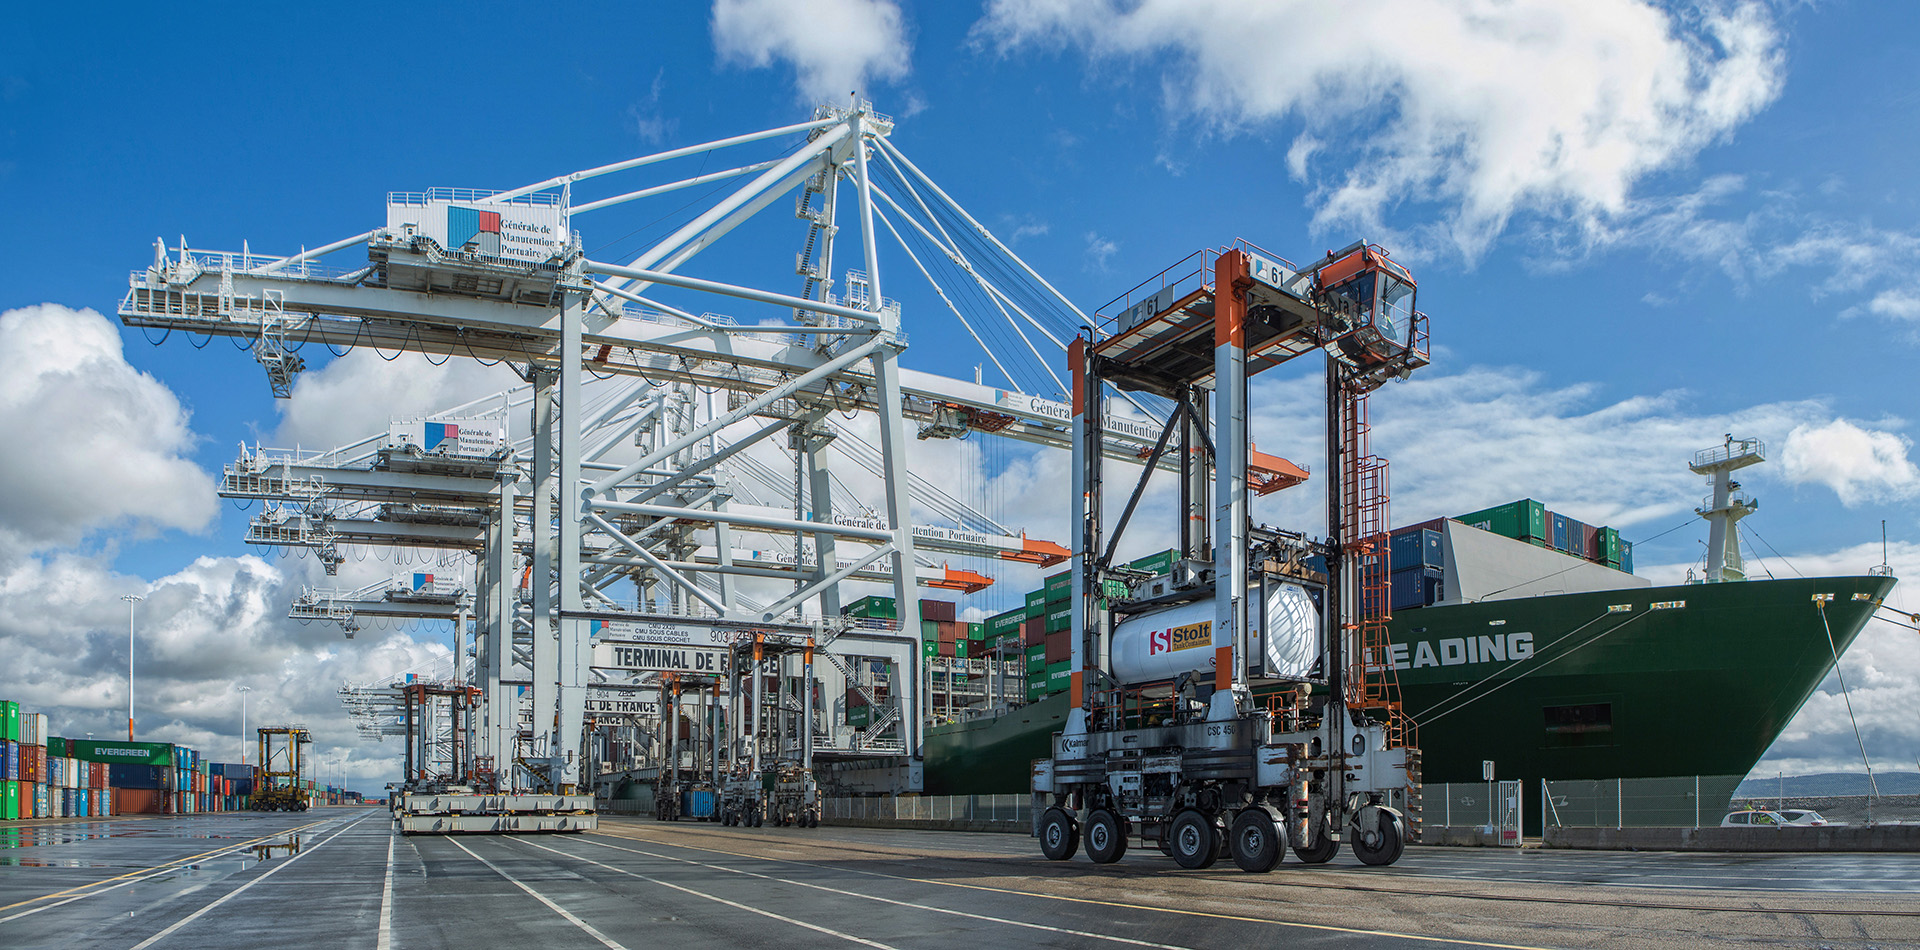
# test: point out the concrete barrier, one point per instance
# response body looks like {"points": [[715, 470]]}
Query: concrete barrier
{"points": [[1830, 838]]}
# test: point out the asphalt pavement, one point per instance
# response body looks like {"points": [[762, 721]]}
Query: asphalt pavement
{"points": [[340, 878]]}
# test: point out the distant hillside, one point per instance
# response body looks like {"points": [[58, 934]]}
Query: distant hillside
{"points": [[1830, 783]]}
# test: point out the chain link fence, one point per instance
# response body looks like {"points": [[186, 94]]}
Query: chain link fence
{"points": [[957, 808], [1688, 801]]}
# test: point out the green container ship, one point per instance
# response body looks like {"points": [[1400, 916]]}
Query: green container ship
{"points": [[1555, 665]]}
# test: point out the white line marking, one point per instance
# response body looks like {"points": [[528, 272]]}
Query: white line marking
{"points": [[236, 892], [752, 910], [542, 898], [1079, 900], [158, 870], [72, 899], [385, 940], [886, 900]]}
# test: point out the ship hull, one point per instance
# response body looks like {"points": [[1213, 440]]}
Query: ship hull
{"points": [[1566, 686]]}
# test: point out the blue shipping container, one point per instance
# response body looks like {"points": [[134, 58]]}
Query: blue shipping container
{"points": [[136, 776], [1420, 547], [9, 760], [1560, 532], [1417, 587]]}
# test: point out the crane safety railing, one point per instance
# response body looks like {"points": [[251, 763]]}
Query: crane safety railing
{"points": [[420, 198], [1190, 273]]}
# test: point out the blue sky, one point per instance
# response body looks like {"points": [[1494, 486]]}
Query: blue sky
{"points": [[1756, 263]]}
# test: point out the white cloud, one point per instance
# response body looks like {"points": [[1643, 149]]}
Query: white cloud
{"points": [[648, 123], [91, 441], [218, 623], [1858, 464], [1882, 672], [1901, 304], [357, 395], [1805, 253], [834, 46], [1490, 108], [1100, 250]]}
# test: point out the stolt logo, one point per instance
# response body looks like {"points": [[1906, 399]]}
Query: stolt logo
{"points": [[1184, 637]]}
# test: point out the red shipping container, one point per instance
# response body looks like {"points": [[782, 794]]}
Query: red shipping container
{"points": [[1059, 647], [1033, 632], [139, 801], [937, 610]]}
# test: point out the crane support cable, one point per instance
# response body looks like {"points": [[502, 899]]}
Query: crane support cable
{"points": [[889, 147], [657, 157], [993, 295], [1872, 785], [944, 298]]}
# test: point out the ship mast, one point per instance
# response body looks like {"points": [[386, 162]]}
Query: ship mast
{"points": [[1728, 504]]}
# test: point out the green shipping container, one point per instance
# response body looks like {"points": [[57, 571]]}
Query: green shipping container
{"points": [[1523, 520], [10, 720], [1036, 602], [874, 608], [976, 631], [960, 649], [1059, 585], [1060, 619], [9, 800], [1610, 550], [929, 630], [1037, 659], [929, 648], [1008, 622], [1159, 563], [56, 747], [1059, 676]]}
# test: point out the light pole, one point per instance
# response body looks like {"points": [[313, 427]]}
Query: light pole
{"points": [[244, 690], [131, 599]]}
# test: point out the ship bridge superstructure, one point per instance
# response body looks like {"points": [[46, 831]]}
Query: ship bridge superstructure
{"points": [[1724, 508]]}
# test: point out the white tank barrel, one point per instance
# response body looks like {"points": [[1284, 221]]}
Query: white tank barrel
{"points": [[1164, 644]]}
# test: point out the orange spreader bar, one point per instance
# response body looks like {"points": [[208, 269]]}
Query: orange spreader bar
{"points": [[1267, 474], [966, 582], [1043, 553]]}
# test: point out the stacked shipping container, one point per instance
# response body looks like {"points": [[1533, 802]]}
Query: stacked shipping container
{"points": [[1037, 631], [1419, 565], [43, 776]]}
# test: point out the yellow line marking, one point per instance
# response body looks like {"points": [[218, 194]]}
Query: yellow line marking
{"points": [[159, 867], [1119, 904]]}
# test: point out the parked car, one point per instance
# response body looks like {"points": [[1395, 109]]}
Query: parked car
{"points": [[1754, 818], [1806, 818]]}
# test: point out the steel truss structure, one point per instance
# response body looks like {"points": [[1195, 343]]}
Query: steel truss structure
{"points": [[502, 276]]}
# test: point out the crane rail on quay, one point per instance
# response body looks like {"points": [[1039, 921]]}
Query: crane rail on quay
{"points": [[643, 463]]}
